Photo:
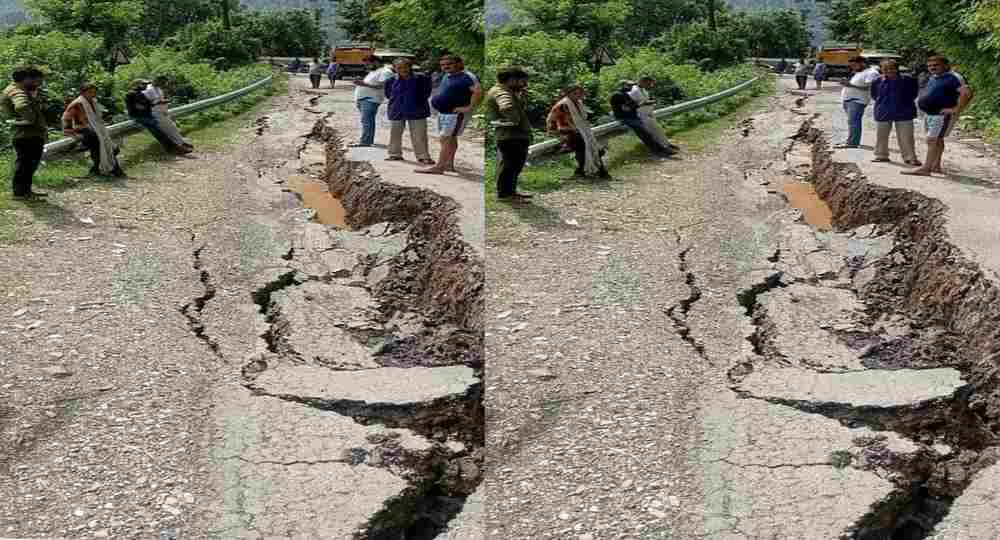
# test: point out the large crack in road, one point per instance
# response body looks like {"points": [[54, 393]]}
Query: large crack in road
{"points": [[193, 309], [382, 324], [942, 347]]}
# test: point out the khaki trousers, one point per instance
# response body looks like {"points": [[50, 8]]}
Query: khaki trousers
{"points": [[904, 136], [418, 137]]}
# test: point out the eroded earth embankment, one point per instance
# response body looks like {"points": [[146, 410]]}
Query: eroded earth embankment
{"points": [[887, 327]]}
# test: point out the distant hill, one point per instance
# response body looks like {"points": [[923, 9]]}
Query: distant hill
{"points": [[497, 14], [11, 13]]}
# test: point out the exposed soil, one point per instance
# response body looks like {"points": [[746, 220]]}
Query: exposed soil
{"points": [[951, 307]]}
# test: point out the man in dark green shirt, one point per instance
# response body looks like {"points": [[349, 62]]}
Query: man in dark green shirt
{"points": [[22, 103], [505, 105]]}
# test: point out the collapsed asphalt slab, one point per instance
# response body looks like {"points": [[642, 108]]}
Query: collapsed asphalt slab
{"points": [[365, 340], [909, 353]]}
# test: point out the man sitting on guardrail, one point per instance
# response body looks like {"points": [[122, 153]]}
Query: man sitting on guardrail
{"points": [[23, 103], [640, 95], [140, 109], [626, 111], [82, 121], [157, 94], [568, 120]]}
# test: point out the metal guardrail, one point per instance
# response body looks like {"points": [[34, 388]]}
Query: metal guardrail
{"points": [[604, 130], [122, 128]]}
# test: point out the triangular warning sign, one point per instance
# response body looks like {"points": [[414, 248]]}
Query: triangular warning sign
{"points": [[120, 57], [601, 56]]}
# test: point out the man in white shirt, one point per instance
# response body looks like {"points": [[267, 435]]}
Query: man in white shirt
{"points": [[369, 93], [855, 97]]}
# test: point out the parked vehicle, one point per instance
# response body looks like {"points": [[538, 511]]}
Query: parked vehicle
{"points": [[353, 59], [835, 56]]}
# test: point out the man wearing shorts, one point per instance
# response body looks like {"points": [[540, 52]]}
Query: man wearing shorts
{"points": [[945, 98], [459, 94]]}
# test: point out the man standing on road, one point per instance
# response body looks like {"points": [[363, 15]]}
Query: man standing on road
{"points": [[819, 73], [801, 73], [369, 94], [140, 109], [82, 120], [946, 97], [625, 111], [895, 96], [315, 73], [331, 73], [408, 95], [23, 103], [505, 105], [855, 97], [459, 95]]}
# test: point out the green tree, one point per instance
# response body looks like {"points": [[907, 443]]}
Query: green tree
{"points": [[697, 42], [357, 18], [164, 19], [553, 60], [846, 19], [650, 18], [292, 32], [211, 41], [597, 21], [114, 20], [431, 26]]}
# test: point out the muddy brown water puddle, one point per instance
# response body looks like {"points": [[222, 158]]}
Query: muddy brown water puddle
{"points": [[316, 195], [802, 195]]}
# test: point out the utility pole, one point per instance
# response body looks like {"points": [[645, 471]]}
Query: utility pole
{"points": [[711, 14]]}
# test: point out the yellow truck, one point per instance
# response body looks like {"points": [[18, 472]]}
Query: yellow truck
{"points": [[835, 56], [353, 59]]}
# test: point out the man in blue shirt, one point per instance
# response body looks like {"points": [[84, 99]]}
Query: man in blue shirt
{"points": [[945, 98], [408, 93], [895, 98], [459, 94]]}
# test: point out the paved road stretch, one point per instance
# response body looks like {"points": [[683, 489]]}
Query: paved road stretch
{"points": [[192, 356], [680, 355]]}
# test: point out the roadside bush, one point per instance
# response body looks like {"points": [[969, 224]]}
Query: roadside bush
{"points": [[553, 61], [70, 60]]}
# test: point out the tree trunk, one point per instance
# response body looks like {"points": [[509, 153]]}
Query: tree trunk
{"points": [[226, 23]]}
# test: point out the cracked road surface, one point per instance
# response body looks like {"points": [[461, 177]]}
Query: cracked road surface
{"points": [[212, 363], [695, 361]]}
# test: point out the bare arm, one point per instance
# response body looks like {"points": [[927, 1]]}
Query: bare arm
{"points": [[965, 95], [477, 98]]}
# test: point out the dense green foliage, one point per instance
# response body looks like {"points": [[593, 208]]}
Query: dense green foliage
{"points": [[556, 41], [203, 58], [965, 30]]}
